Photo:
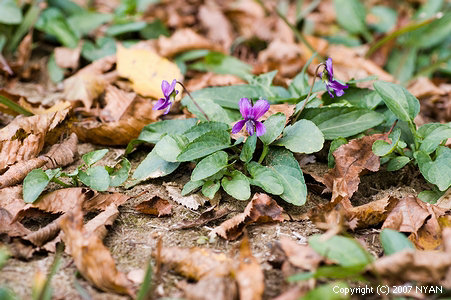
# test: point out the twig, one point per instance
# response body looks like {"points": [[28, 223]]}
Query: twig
{"points": [[308, 96], [194, 101]]}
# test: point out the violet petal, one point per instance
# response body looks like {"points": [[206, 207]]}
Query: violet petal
{"points": [[260, 108], [245, 108], [238, 126], [260, 128]]}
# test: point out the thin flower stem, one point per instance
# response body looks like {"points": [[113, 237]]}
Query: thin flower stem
{"points": [[309, 93], [194, 101], [264, 152]]}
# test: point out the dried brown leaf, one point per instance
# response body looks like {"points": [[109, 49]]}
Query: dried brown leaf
{"points": [[92, 258], [183, 40], [96, 226], [156, 206], [24, 137], [117, 103], [261, 209], [104, 200], [219, 29], [370, 214], [207, 216], [67, 57], [301, 256], [61, 155], [210, 287], [45, 234], [211, 79], [193, 201], [9, 227], [249, 274], [423, 87], [11, 199]]}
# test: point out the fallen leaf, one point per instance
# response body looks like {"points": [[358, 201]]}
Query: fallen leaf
{"points": [[24, 137], [261, 209], [219, 29], [121, 132], [183, 40], [146, 70], [286, 109], [156, 206], [59, 155], [44, 234], [445, 200], [193, 201], [88, 83], [351, 160], [207, 216], [102, 201], [92, 258], [67, 57], [196, 263], [96, 225], [11, 199], [210, 287], [301, 256], [211, 79], [117, 102], [10, 228], [423, 87], [249, 275], [370, 214]]}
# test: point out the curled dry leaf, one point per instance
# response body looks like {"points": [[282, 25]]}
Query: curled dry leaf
{"points": [[351, 160], [104, 200], [286, 109], [207, 216], [121, 132], [156, 206], [261, 209], [92, 258], [117, 102], [193, 201], [146, 70], [24, 137], [88, 83], [210, 287], [181, 41], [301, 256], [9, 227], [97, 225], [11, 199], [370, 214], [45, 234], [425, 267], [59, 155], [249, 274], [219, 29], [67, 57]]}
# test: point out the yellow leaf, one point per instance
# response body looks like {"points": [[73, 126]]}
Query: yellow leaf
{"points": [[146, 70]]}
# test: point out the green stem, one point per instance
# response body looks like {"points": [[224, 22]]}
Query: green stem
{"points": [[297, 33], [14, 106], [433, 67], [30, 18], [415, 136], [395, 34], [194, 101], [264, 152], [63, 184], [309, 93]]}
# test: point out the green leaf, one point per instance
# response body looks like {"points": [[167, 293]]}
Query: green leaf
{"points": [[334, 145], [56, 73], [397, 163], [351, 15], [10, 13], [238, 186], [220, 63], [120, 175], [358, 97], [196, 131], [344, 122], [4, 256], [204, 145], [302, 137], [210, 188], [118, 29], [328, 292], [154, 132], [287, 170], [67, 7], [191, 186], [438, 171], [92, 157], [248, 149], [85, 22], [344, 251], [432, 34], [214, 111], [35, 183], [154, 30], [170, 146], [274, 127], [386, 18], [393, 241], [153, 166], [53, 22], [399, 100], [210, 165], [430, 196], [382, 148], [401, 63], [226, 96], [96, 178], [433, 134], [264, 178], [104, 46]]}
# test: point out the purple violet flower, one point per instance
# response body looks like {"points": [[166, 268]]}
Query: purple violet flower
{"points": [[169, 94], [251, 115], [331, 84]]}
